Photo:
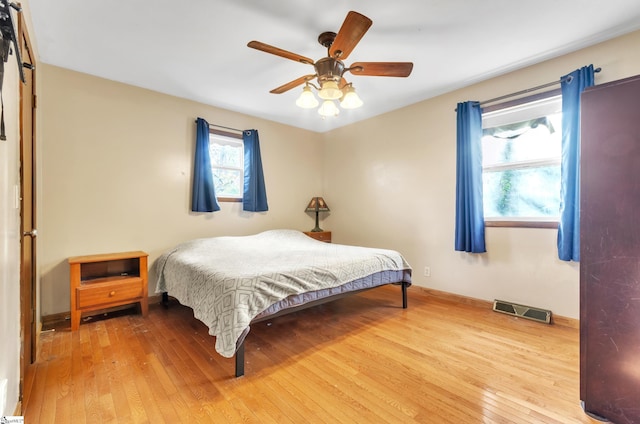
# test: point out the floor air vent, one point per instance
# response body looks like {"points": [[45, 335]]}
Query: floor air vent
{"points": [[529, 312]]}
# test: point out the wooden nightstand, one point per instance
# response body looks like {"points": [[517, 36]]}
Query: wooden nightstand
{"points": [[104, 281], [320, 235]]}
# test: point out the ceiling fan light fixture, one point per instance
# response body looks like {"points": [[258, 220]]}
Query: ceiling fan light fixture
{"points": [[307, 100], [328, 108], [351, 100], [330, 70], [329, 90]]}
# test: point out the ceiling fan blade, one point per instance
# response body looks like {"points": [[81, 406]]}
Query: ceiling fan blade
{"points": [[382, 69], [279, 52], [296, 82], [352, 30]]}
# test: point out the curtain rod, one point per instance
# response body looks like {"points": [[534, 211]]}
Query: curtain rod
{"points": [[528, 90], [226, 128]]}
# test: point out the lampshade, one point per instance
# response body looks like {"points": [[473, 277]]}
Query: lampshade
{"points": [[328, 108], [329, 90], [351, 100], [317, 204], [307, 100]]}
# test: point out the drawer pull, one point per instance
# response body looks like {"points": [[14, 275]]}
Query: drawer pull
{"points": [[113, 293]]}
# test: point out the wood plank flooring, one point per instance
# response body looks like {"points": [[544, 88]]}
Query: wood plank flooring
{"points": [[361, 359]]}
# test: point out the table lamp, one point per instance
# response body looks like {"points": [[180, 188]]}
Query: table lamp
{"points": [[317, 204]]}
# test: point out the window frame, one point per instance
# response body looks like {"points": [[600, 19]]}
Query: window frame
{"points": [[213, 131], [514, 222]]}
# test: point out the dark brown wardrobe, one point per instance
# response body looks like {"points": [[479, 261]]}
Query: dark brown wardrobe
{"points": [[610, 251]]}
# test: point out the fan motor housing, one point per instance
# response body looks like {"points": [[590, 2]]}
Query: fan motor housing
{"points": [[329, 69]]}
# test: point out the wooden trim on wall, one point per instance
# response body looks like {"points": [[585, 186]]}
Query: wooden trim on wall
{"points": [[49, 321], [229, 199], [522, 224], [480, 303], [53, 320], [226, 133]]}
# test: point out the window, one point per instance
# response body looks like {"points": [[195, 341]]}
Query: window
{"points": [[227, 165], [521, 152]]}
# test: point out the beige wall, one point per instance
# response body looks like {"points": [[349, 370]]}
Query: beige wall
{"points": [[116, 175], [390, 182]]}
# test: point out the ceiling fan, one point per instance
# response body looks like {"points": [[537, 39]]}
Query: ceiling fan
{"points": [[330, 70]]}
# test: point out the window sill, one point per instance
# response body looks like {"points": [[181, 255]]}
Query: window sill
{"points": [[522, 224], [229, 199]]}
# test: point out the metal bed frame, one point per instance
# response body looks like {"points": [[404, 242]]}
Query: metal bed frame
{"points": [[239, 356]]}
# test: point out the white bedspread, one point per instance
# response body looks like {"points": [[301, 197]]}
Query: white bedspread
{"points": [[227, 281]]}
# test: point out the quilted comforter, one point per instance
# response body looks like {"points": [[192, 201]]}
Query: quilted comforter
{"points": [[228, 281]]}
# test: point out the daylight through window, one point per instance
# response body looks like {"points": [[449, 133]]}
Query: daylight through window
{"points": [[521, 151], [227, 165]]}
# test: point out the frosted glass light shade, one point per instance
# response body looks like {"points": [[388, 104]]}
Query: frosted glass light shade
{"points": [[351, 100], [307, 100], [330, 91], [328, 108]]}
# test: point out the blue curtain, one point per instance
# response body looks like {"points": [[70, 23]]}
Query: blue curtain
{"points": [[203, 198], [254, 198], [469, 208], [569, 226]]}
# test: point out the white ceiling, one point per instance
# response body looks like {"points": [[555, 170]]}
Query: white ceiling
{"points": [[197, 49]]}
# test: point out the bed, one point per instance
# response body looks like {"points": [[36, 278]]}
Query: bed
{"points": [[232, 282]]}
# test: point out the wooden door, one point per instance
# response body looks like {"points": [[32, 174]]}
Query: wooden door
{"points": [[27, 204], [610, 251]]}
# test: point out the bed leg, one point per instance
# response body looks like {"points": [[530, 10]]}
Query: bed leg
{"points": [[240, 360], [404, 295], [165, 299]]}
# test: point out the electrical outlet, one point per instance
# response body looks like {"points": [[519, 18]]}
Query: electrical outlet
{"points": [[427, 271]]}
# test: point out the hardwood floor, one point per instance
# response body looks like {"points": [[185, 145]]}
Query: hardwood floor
{"points": [[361, 359]]}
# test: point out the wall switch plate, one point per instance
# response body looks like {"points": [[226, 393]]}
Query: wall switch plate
{"points": [[16, 196]]}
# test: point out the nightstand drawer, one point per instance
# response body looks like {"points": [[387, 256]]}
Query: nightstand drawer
{"points": [[320, 235], [104, 293]]}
